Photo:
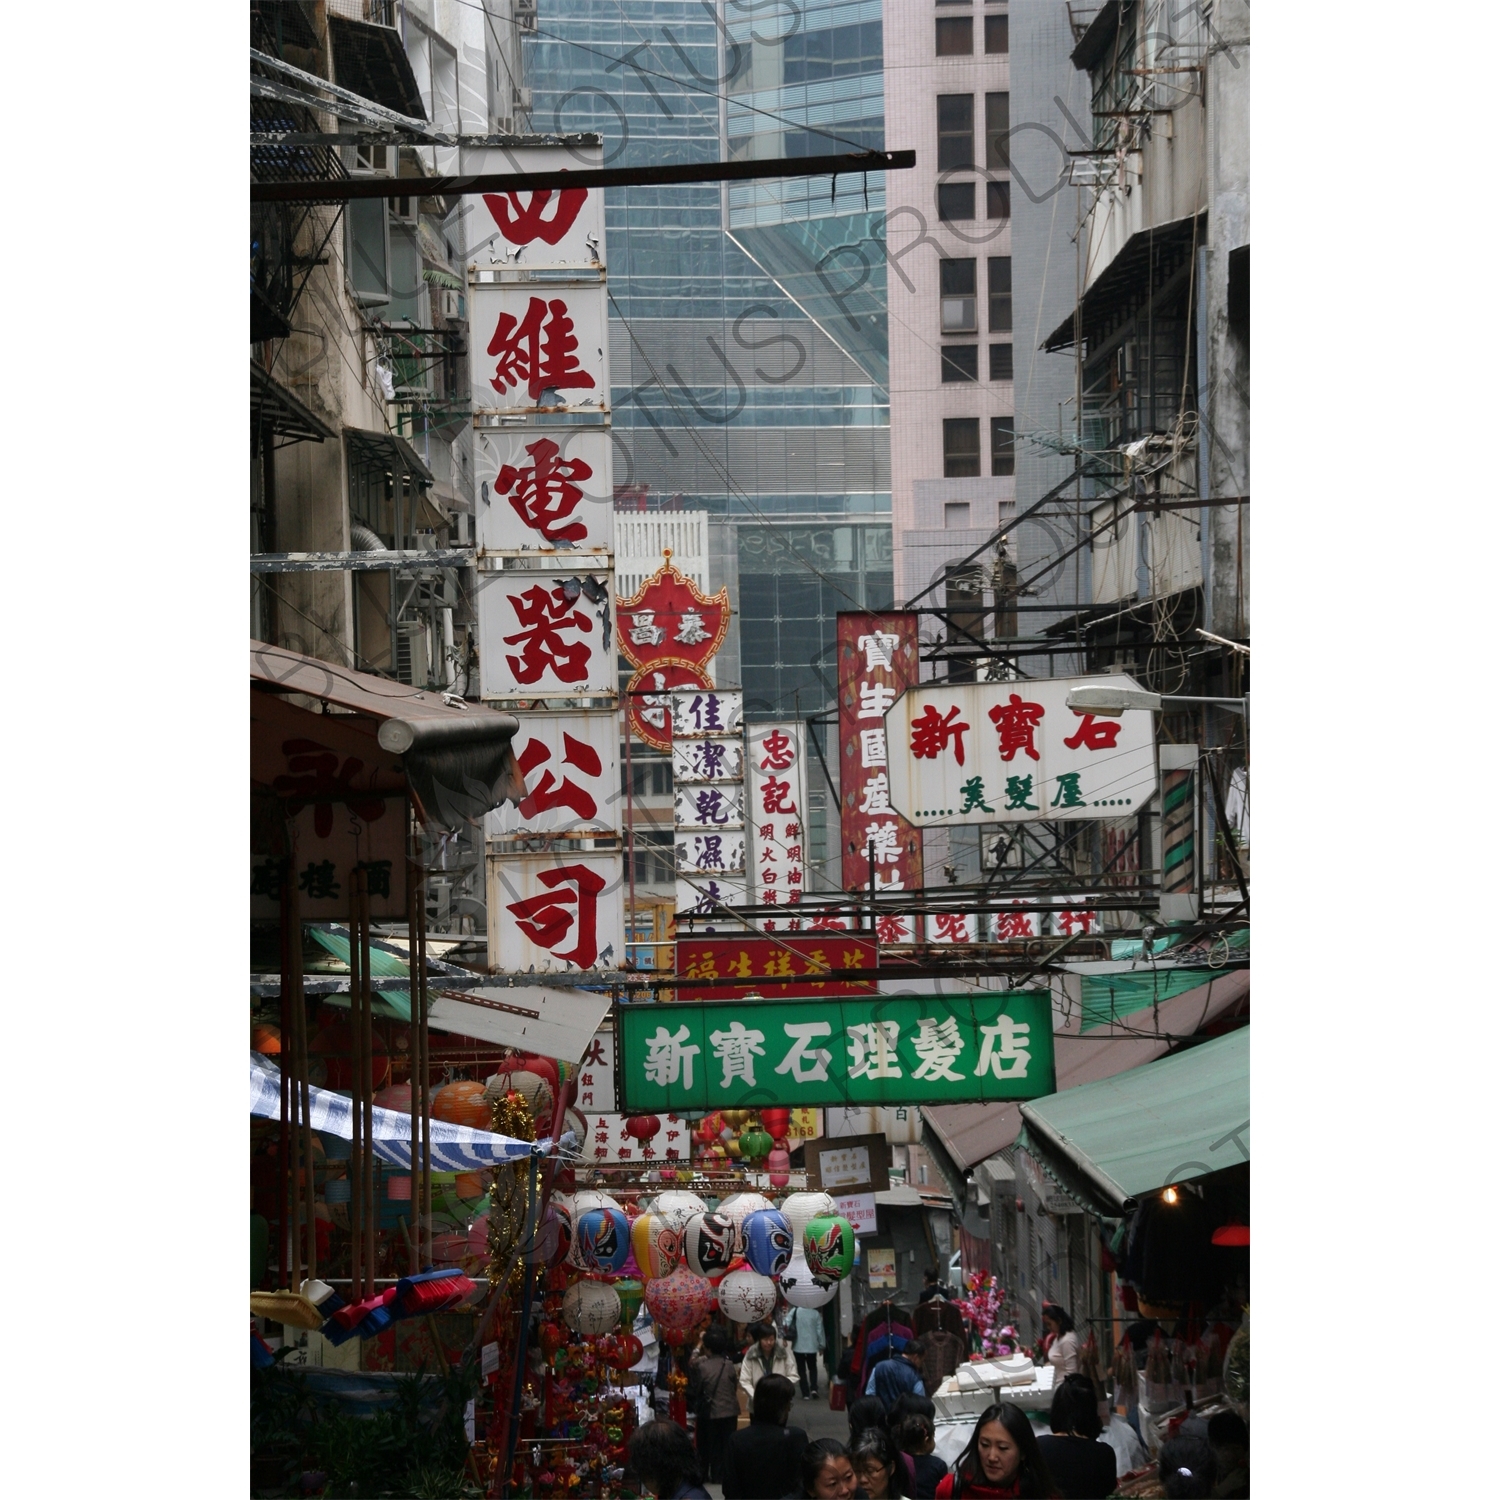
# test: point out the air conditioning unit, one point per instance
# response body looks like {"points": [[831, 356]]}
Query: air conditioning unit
{"points": [[451, 303], [525, 11], [520, 99]]}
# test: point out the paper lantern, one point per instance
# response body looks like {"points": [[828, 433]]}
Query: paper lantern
{"points": [[642, 1128], [736, 1119], [828, 1242], [630, 1292], [777, 1121], [679, 1300], [532, 1087], [397, 1097], [626, 1353], [779, 1166], [768, 1243], [802, 1208], [333, 1047], [656, 1240], [801, 1288], [591, 1308], [550, 1243], [266, 1039], [679, 1201], [755, 1145], [462, 1103], [602, 1239], [708, 1243], [745, 1296], [590, 1198], [469, 1185]]}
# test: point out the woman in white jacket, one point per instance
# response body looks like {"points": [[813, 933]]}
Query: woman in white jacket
{"points": [[808, 1340], [767, 1355]]}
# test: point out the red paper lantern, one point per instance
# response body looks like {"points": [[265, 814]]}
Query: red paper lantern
{"points": [[777, 1121], [642, 1127], [626, 1350], [1232, 1234]]}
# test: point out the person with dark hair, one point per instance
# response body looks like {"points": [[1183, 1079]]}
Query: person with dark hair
{"points": [[808, 1339], [933, 1285], [1186, 1468], [661, 1457], [766, 1355], [1081, 1467], [825, 1472], [913, 1432], [866, 1412], [1001, 1462], [880, 1465], [1230, 1439], [761, 1460], [895, 1376], [1060, 1342], [711, 1397]]}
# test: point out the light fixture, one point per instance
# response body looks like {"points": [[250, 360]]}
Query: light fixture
{"points": [[1169, 1196]]}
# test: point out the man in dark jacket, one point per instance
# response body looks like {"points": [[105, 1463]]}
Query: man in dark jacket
{"points": [[761, 1460]]}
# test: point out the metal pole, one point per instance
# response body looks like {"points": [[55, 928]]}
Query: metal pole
{"points": [[356, 1116], [285, 1187], [293, 984], [424, 1229], [415, 1238], [630, 835], [372, 1207]]}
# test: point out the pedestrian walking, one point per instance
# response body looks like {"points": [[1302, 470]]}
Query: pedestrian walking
{"points": [[711, 1396], [878, 1463], [895, 1376], [766, 1355], [826, 1473], [808, 1341], [762, 1461], [1060, 1341], [1001, 1462], [1081, 1467], [661, 1457]]}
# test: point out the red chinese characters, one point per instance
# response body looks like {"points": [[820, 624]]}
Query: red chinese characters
{"points": [[539, 350], [315, 776], [546, 616], [1016, 722], [931, 733], [551, 792], [568, 908], [1095, 734], [546, 492], [523, 224]]}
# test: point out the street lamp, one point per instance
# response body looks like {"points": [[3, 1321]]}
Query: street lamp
{"points": [[1111, 702]]}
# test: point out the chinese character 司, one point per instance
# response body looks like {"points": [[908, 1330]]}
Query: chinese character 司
{"points": [[690, 630], [544, 614], [549, 793], [546, 491], [539, 350], [1016, 724], [547, 919], [670, 1057], [931, 731], [777, 752]]}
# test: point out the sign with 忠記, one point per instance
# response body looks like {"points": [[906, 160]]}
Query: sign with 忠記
{"points": [[885, 1049], [1014, 752]]}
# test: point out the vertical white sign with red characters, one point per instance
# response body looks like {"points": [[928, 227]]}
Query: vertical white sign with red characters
{"points": [[537, 350], [611, 1143], [547, 491], [776, 791], [555, 913], [571, 766], [546, 634], [596, 1073]]}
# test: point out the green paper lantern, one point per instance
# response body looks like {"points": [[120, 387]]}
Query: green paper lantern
{"points": [[755, 1144], [828, 1243], [630, 1292]]}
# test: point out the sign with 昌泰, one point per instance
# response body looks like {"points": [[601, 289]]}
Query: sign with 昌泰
{"points": [[1014, 752], [886, 1049], [775, 966]]}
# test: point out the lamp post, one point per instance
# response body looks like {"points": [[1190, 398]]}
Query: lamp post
{"points": [[1111, 702]]}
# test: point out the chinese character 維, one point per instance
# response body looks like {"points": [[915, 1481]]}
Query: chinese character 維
{"points": [[938, 1044], [690, 631], [877, 795], [872, 747], [973, 792], [644, 631], [883, 843], [872, 1049], [1016, 723], [668, 1056], [874, 699], [951, 927], [1017, 790], [710, 807], [377, 876], [931, 731], [1096, 735], [546, 492], [538, 350], [1004, 1042], [550, 793], [1068, 794], [773, 796], [543, 615], [880, 651], [777, 751], [546, 919], [317, 880], [805, 1065], [737, 1049]]}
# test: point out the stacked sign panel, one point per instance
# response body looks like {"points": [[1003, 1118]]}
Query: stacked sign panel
{"points": [[708, 804], [776, 792]]}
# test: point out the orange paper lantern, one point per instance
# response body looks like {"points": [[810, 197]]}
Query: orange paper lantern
{"points": [[462, 1103]]}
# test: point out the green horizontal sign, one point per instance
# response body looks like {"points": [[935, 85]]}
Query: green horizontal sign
{"points": [[885, 1049]]}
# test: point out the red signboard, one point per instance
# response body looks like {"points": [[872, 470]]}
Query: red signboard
{"points": [[649, 696], [669, 618], [877, 662], [775, 968]]}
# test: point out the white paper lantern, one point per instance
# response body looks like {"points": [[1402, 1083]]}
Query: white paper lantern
{"points": [[746, 1297], [737, 1208], [800, 1287], [802, 1208], [591, 1308], [588, 1198], [679, 1201]]}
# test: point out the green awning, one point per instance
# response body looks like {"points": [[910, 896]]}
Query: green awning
{"points": [[1114, 1141]]}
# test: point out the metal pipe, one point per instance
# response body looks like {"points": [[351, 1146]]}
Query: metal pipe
{"points": [[423, 1039], [285, 1181], [415, 1238], [302, 1081], [372, 1207], [356, 1118]]}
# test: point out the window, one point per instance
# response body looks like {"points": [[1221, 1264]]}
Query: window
{"points": [[955, 36], [960, 362], [955, 115], [1002, 361], [955, 201], [1000, 294], [997, 132], [834, 52], [956, 515], [996, 34], [996, 199], [959, 300], [961, 448], [1002, 445]]}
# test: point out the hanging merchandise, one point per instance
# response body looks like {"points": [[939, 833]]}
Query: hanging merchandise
{"points": [[708, 1243], [590, 1198], [591, 1308], [552, 1240], [779, 1166], [745, 1296], [679, 1301], [602, 1238], [802, 1208], [461, 1103], [829, 1244], [801, 1288], [768, 1241], [737, 1208], [777, 1121], [656, 1240], [631, 1293], [643, 1128], [679, 1201]]}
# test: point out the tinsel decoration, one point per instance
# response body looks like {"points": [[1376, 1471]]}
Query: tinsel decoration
{"points": [[509, 1115]]}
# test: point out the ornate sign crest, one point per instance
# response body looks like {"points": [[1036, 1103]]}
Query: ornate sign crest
{"points": [[669, 619]]}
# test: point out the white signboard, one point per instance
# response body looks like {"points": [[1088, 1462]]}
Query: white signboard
{"points": [[539, 227], [859, 1209], [609, 1141], [544, 490], [550, 1020], [1076, 923], [571, 763], [596, 1073], [696, 713], [555, 912], [711, 853], [706, 895], [707, 760], [953, 927], [776, 756], [1009, 752], [709, 807], [537, 346], [846, 1167], [546, 635]]}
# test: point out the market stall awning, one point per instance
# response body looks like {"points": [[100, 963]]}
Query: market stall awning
{"points": [[455, 1148], [971, 1132], [276, 412], [1112, 1142], [456, 756]]}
